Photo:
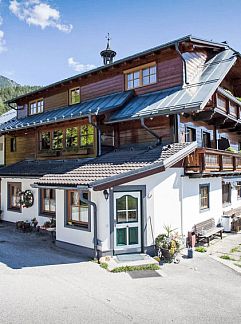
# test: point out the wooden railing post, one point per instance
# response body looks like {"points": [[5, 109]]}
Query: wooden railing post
{"points": [[234, 163], [220, 162]]}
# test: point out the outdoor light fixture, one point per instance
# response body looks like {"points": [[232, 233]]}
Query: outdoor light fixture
{"points": [[106, 194]]}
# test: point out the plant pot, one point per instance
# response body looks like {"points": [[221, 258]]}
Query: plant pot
{"points": [[166, 254]]}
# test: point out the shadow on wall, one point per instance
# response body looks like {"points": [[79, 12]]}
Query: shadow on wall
{"points": [[20, 250]]}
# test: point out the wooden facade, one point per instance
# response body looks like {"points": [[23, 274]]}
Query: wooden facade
{"points": [[216, 123]]}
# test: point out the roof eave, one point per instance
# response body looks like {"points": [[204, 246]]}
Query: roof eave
{"points": [[131, 57]]}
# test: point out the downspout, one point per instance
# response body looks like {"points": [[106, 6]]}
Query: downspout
{"points": [[182, 234], [184, 63], [91, 203], [150, 131], [99, 134]]}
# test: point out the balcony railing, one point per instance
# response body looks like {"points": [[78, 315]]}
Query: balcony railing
{"points": [[205, 160]]}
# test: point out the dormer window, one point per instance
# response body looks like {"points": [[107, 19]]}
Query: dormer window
{"points": [[140, 76], [74, 96], [36, 106]]}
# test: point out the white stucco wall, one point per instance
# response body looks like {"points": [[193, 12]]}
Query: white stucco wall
{"points": [[26, 213], [79, 236], [164, 206]]}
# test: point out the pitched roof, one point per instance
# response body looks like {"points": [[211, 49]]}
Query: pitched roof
{"points": [[94, 106], [131, 57], [8, 116], [118, 166], [193, 96], [113, 168]]}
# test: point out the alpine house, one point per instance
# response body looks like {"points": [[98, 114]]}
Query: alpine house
{"points": [[116, 153]]}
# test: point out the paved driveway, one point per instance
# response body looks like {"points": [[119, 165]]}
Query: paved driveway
{"points": [[43, 284]]}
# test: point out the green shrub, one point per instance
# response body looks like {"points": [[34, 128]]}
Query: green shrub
{"points": [[232, 150], [134, 268], [200, 249], [235, 249], [104, 265], [226, 257]]}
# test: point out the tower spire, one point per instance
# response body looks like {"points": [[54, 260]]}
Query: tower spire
{"points": [[108, 54]]}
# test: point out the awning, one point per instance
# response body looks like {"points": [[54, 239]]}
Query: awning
{"points": [[96, 106]]}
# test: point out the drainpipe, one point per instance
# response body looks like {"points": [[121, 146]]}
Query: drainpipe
{"points": [[184, 63], [99, 134], [182, 234], [91, 203], [159, 139]]}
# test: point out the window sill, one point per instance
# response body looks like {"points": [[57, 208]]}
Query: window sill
{"points": [[203, 210], [76, 227], [46, 214], [15, 210], [141, 86], [227, 204]]}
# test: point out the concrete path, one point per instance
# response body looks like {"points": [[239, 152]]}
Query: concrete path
{"points": [[225, 246], [42, 284]]}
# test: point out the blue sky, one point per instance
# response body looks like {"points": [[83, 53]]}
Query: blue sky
{"points": [[43, 41]]}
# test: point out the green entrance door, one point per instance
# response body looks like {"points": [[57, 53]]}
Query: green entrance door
{"points": [[127, 220]]}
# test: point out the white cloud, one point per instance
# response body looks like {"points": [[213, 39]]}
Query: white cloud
{"points": [[2, 40], [78, 67], [38, 13]]}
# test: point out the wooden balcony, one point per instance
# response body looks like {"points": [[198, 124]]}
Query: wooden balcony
{"points": [[206, 160]]}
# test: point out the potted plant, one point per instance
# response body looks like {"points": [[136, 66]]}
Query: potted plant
{"points": [[168, 243]]}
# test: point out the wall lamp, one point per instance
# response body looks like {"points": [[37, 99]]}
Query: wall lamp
{"points": [[106, 194]]}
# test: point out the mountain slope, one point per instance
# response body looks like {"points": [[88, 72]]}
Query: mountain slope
{"points": [[6, 83], [10, 89]]}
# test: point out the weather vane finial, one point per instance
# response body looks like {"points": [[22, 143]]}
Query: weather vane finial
{"points": [[108, 40], [108, 54]]}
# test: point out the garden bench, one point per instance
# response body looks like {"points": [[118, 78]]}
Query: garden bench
{"points": [[206, 230]]}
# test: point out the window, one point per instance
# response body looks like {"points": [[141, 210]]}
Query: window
{"points": [[141, 76], [71, 137], [13, 147], [47, 201], [226, 193], [149, 75], [238, 190], [206, 139], [78, 211], [14, 189], [190, 134], [86, 135], [127, 209], [133, 80], [204, 196], [36, 107], [45, 143], [74, 96], [57, 142]]}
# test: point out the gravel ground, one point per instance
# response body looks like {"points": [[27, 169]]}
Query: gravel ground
{"points": [[40, 283]]}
